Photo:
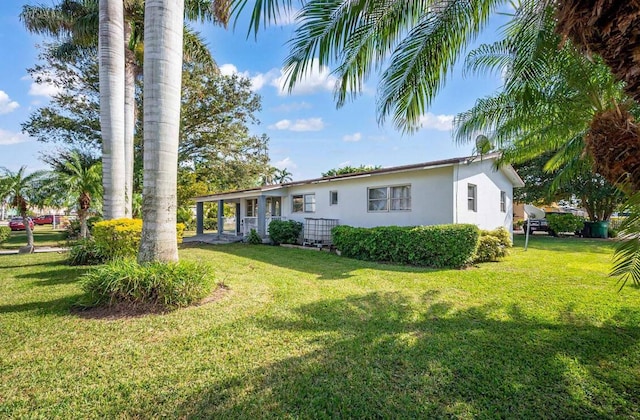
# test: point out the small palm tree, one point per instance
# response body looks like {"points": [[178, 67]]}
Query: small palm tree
{"points": [[79, 175], [283, 176], [19, 188]]}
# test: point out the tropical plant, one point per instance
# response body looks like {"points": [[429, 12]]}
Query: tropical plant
{"points": [[19, 188], [77, 175], [282, 176], [76, 23], [348, 169]]}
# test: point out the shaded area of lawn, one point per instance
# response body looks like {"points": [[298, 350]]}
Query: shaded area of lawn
{"points": [[376, 357], [303, 334]]}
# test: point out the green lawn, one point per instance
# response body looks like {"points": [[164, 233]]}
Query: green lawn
{"points": [[303, 334], [42, 236]]}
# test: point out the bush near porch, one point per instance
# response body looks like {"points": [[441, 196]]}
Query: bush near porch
{"points": [[429, 246]]}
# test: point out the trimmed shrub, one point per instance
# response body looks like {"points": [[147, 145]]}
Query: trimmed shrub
{"points": [[5, 232], [493, 245], [210, 224], [184, 215], [285, 231], [431, 246], [86, 252], [167, 285], [120, 238], [564, 223], [254, 238]]}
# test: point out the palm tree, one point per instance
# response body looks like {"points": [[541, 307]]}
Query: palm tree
{"points": [[162, 75], [19, 188], [112, 100], [283, 176], [76, 23], [77, 175]]}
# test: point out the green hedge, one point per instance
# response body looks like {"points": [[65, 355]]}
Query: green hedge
{"points": [[284, 231], [431, 246], [559, 223]]}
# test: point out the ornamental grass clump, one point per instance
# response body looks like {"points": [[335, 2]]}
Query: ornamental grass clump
{"points": [[160, 285]]}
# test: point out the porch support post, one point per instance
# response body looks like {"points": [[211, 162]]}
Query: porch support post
{"points": [[238, 219], [199, 218], [220, 217], [262, 215]]}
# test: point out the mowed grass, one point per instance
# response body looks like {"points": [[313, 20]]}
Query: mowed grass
{"points": [[305, 334], [43, 235]]}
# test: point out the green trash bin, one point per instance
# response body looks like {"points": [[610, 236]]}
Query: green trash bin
{"points": [[600, 230]]}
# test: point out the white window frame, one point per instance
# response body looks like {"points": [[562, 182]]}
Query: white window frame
{"points": [[333, 194], [472, 199], [503, 201], [308, 203], [388, 199]]}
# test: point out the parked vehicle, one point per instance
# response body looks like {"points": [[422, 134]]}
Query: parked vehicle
{"points": [[18, 224], [46, 219]]}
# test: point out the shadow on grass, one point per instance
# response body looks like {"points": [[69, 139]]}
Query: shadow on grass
{"points": [[324, 265], [61, 275], [59, 306], [382, 356]]}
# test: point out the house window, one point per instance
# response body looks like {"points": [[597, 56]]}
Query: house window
{"points": [[472, 194], [333, 198], [252, 208], [503, 201], [396, 198], [304, 203]]}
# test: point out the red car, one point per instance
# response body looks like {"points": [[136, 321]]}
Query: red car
{"points": [[18, 224], [47, 219]]}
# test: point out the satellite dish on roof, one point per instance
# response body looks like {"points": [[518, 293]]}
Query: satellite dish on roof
{"points": [[483, 145], [533, 212]]}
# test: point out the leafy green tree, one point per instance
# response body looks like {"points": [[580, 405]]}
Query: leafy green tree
{"points": [[19, 188], [348, 169], [76, 175]]}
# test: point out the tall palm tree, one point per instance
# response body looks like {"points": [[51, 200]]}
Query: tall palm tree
{"points": [[19, 188], [76, 22], [77, 175], [162, 76], [112, 116]]}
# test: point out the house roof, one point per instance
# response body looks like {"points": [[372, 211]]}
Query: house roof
{"points": [[507, 170]]}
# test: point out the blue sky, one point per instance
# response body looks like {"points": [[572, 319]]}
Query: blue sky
{"points": [[308, 135]]}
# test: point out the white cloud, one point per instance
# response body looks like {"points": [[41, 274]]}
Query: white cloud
{"points": [[258, 80], [6, 104], [42, 85], [294, 106], [441, 122], [10, 137], [285, 163], [316, 80], [309, 124], [343, 164], [228, 69], [352, 137]]}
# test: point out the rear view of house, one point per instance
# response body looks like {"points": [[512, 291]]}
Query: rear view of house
{"points": [[460, 190]]}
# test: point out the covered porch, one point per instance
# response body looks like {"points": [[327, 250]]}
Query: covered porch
{"points": [[252, 209]]}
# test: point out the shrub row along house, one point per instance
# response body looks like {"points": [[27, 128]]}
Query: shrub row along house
{"points": [[459, 190]]}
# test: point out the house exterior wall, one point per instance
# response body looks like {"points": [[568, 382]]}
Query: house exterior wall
{"points": [[431, 199], [489, 183]]}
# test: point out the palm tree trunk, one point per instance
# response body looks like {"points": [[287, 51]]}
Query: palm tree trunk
{"points": [[29, 231], [112, 118], [129, 120], [162, 87], [82, 216]]}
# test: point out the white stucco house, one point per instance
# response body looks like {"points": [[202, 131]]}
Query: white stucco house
{"points": [[459, 190]]}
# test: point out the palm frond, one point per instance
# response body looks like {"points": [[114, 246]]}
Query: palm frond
{"points": [[626, 258]]}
